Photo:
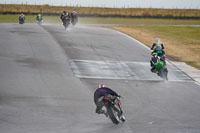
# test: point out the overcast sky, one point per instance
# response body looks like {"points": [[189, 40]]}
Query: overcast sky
{"points": [[193, 4]]}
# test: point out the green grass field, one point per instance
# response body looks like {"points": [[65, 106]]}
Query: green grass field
{"points": [[185, 35]]}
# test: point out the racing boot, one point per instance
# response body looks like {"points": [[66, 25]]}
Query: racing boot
{"points": [[100, 111]]}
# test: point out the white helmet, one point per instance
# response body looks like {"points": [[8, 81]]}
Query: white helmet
{"points": [[157, 40]]}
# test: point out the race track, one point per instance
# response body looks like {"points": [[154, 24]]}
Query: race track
{"points": [[48, 77]]}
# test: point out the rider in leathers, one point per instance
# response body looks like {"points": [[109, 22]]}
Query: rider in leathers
{"points": [[22, 18], [154, 61], [64, 15], [74, 17], [39, 17], [99, 94], [158, 45]]}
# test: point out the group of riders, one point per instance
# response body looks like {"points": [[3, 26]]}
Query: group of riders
{"points": [[157, 63], [102, 93], [39, 18], [65, 17]]}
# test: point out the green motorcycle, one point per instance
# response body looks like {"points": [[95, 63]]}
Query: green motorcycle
{"points": [[161, 70], [158, 65]]}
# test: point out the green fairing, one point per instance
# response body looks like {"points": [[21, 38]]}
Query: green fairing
{"points": [[159, 64]]}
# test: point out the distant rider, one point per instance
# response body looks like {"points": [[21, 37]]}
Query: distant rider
{"points": [[153, 61], [65, 15], [158, 46], [21, 18], [156, 62], [99, 94], [74, 17], [39, 17]]}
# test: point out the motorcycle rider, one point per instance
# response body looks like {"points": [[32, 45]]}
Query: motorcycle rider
{"points": [[64, 15], [21, 18], [153, 61], [39, 17], [155, 64], [158, 46], [74, 17], [99, 94]]}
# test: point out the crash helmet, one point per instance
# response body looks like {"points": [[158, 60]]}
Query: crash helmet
{"points": [[64, 11], [154, 54], [101, 85], [157, 40]]}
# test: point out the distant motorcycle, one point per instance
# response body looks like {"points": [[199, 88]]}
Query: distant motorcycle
{"points": [[74, 18], [66, 22], [114, 110], [39, 19]]}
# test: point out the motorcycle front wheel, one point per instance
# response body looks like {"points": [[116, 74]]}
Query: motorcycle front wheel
{"points": [[114, 116], [163, 74]]}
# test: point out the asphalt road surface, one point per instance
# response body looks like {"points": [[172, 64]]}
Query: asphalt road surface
{"points": [[48, 77]]}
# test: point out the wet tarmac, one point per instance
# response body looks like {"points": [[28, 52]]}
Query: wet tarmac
{"points": [[48, 77]]}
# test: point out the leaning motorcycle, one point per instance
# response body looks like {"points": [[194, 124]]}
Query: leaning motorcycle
{"points": [[66, 22], [114, 109]]}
